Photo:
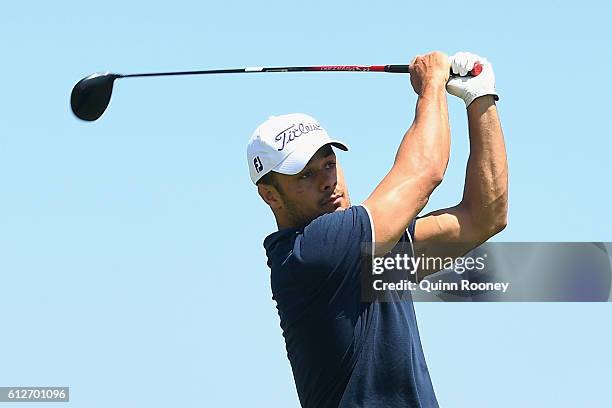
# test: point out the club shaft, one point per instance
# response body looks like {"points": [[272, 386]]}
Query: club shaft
{"points": [[323, 68]]}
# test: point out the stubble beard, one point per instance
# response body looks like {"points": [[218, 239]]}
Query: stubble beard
{"points": [[297, 216]]}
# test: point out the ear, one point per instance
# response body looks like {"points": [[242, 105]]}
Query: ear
{"points": [[270, 195]]}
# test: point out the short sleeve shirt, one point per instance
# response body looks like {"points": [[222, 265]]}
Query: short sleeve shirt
{"points": [[343, 352]]}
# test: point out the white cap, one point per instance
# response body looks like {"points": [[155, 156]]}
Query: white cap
{"points": [[285, 144]]}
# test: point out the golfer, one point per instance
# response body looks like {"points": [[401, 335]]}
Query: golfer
{"points": [[345, 352]]}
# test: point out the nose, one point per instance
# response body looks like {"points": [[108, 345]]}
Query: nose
{"points": [[328, 181]]}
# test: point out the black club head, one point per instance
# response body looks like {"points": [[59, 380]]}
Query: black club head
{"points": [[91, 95]]}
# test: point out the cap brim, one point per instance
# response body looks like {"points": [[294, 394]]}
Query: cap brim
{"points": [[299, 158]]}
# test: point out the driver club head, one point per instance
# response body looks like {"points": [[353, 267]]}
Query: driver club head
{"points": [[91, 95]]}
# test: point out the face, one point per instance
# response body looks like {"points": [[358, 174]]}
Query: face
{"points": [[318, 189]]}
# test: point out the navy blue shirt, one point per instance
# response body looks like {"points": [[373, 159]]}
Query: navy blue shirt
{"points": [[343, 352]]}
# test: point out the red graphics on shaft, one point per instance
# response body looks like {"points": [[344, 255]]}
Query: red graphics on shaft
{"points": [[369, 68]]}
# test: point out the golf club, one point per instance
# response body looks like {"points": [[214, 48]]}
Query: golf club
{"points": [[91, 95]]}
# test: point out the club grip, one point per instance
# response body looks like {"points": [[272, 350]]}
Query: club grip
{"points": [[404, 69], [397, 69]]}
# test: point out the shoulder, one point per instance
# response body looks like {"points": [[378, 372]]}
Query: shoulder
{"points": [[351, 223], [322, 243], [332, 237]]}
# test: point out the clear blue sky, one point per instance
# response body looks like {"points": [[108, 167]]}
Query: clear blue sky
{"points": [[130, 248]]}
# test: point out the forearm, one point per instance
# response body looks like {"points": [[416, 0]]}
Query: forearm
{"points": [[425, 147], [421, 159], [485, 194], [418, 169]]}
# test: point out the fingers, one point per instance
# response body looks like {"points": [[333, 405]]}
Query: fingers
{"points": [[412, 66], [429, 71], [440, 59], [463, 62], [467, 87], [436, 61]]}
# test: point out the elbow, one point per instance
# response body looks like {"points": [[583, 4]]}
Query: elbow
{"points": [[501, 215], [489, 221], [499, 225], [495, 223], [487, 230], [423, 180], [433, 176], [427, 171], [436, 176]]}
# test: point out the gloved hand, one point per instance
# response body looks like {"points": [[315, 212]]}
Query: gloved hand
{"points": [[469, 88]]}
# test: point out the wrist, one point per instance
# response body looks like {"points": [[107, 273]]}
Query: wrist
{"points": [[482, 106], [481, 102], [433, 88]]}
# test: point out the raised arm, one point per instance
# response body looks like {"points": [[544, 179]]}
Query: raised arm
{"points": [[421, 159], [483, 209]]}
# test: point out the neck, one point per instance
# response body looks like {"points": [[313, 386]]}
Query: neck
{"points": [[283, 224], [283, 220]]}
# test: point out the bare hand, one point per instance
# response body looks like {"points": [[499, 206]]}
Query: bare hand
{"points": [[429, 71]]}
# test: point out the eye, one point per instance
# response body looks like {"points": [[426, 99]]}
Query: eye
{"points": [[306, 174], [330, 165]]}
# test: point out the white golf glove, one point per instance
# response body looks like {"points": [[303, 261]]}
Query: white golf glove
{"points": [[469, 88]]}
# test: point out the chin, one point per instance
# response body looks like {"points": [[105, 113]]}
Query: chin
{"points": [[344, 204]]}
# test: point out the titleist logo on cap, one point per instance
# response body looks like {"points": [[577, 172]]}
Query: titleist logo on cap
{"points": [[294, 131]]}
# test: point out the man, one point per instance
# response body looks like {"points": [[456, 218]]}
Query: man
{"points": [[345, 352]]}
